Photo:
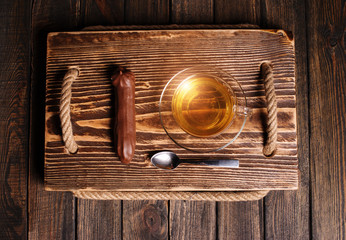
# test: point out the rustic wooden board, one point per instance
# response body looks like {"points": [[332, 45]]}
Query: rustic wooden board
{"points": [[154, 57]]}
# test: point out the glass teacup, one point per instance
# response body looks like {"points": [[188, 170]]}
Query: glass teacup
{"points": [[203, 109]]}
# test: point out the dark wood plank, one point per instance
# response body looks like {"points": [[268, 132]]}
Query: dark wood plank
{"points": [[99, 219], [146, 12], [51, 213], [237, 12], [14, 117], [327, 103], [192, 220], [145, 220], [241, 220], [287, 212], [102, 12], [192, 11], [52, 216], [150, 213]]}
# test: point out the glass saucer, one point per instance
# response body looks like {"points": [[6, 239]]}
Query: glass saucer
{"points": [[191, 141]]}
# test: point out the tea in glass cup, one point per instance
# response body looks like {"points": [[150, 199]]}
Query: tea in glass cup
{"points": [[203, 109], [203, 105]]}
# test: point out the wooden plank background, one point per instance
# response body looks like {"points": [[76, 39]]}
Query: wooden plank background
{"points": [[154, 57], [316, 210], [14, 118]]}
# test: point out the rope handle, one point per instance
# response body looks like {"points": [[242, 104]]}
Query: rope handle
{"points": [[272, 125], [65, 112]]}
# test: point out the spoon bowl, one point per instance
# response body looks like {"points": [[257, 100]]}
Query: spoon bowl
{"points": [[165, 160]]}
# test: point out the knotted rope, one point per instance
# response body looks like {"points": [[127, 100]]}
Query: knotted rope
{"points": [[272, 125], [197, 196], [65, 113]]}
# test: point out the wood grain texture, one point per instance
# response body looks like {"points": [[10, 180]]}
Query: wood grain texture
{"points": [[326, 53], [14, 124], [102, 12], [240, 220], [237, 12], [99, 219], [91, 111], [147, 12], [51, 214], [287, 212], [145, 220], [150, 225], [192, 220], [192, 11]]}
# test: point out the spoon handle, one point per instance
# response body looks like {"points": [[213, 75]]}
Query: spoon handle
{"points": [[229, 163]]}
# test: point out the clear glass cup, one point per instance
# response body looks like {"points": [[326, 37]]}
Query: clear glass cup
{"points": [[203, 109]]}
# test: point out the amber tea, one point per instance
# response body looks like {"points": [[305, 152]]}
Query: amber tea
{"points": [[203, 106]]}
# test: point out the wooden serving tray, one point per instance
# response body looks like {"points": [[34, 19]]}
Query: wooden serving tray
{"points": [[155, 56]]}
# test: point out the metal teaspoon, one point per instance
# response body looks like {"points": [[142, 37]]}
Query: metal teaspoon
{"points": [[169, 160]]}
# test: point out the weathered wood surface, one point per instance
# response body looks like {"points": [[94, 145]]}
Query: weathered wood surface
{"points": [[287, 212], [154, 57], [327, 104], [183, 12], [150, 12], [99, 219], [51, 214], [239, 220], [286, 215], [192, 220], [145, 220], [108, 213], [14, 117]]}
